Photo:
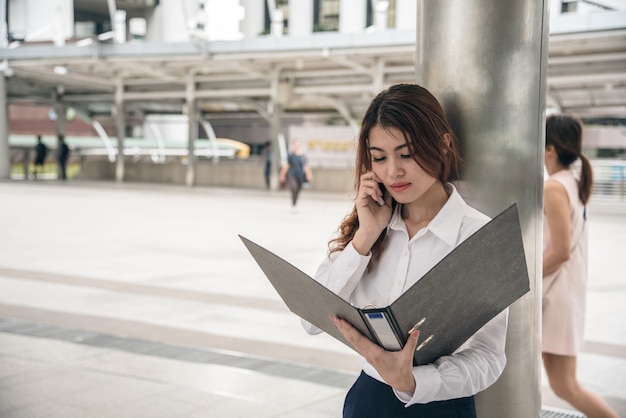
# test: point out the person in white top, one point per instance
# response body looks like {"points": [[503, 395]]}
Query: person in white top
{"points": [[407, 216], [565, 263]]}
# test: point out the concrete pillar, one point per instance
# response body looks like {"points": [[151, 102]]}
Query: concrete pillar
{"points": [[26, 163], [406, 11], [278, 25], [60, 122], [352, 16], [120, 127], [381, 10], [300, 18], [5, 165], [253, 22], [281, 95], [192, 130], [486, 61], [119, 27], [276, 160]]}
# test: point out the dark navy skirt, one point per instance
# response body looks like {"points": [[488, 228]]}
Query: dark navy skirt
{"points": [[369, 398]]}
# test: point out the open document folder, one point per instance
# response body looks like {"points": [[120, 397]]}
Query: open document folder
{"points": [[470, 286]]}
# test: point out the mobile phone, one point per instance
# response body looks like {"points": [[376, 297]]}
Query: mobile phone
{"points": [[381, 199]]}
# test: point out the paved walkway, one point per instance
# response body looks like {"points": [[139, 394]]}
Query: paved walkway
{"points": [[140, 301]]}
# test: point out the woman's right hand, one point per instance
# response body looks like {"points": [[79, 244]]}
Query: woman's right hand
{"points": [[374, 212]]}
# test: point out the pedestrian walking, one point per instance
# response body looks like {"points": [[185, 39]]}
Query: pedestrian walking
{"points": [[63, 153]]}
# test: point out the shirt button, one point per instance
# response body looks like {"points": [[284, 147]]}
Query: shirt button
{"points": [[406, 253], [351, 266]]}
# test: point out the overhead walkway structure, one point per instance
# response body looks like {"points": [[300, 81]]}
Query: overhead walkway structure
{"points": [[269, 77]]}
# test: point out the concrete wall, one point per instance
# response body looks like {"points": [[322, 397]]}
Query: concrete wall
{"points": [[226, 173]]}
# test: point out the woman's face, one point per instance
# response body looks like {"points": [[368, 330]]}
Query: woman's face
{"points": [[393, 163]]}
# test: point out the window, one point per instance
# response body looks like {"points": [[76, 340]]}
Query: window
{"points": [[325, 15], [569, 6], [282, 5], [391, 13]]}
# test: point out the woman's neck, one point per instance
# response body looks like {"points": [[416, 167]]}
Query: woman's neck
{"points": [[419, 213], [555, 168]]}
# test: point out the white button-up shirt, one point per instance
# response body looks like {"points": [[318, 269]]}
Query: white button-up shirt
{"points": [[476, 364]]}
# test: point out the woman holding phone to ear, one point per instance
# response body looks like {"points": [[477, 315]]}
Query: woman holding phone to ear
{"points": [[407, 216]]}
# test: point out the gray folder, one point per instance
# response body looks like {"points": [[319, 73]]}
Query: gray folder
{"points": [[476, 281]]}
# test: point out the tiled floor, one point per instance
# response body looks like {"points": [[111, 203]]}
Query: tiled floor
{"points": [[140, 301]]}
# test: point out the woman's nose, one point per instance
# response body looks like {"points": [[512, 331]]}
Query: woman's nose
{"points": [[395, 167]]}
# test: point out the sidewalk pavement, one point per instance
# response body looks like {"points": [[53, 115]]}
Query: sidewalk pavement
{"points": [[137, 300]]}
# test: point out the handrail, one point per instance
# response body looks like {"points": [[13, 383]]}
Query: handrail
{"points": [[609, 179]]}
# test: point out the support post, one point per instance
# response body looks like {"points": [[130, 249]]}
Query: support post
{"points": [[120, 127], [26, 162], [301, 18], [60, 124], [281, 92], [5, 164], [485, 60], [192, 130], [253, 22], [276, 157], [352, 16]]}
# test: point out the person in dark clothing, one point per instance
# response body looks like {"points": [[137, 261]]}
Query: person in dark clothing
{"points": [[41, 151], [296, 172], [267, 163], [63, 153]]}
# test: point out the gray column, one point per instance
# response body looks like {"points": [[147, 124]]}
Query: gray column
{"points": [[5, 165], [300, 17], [26, 162], [405, 14], [60, 123], [352, 16], [486, 62], [280, 96], [192, 131], [120, 127], [275, 111], [253, 22]]}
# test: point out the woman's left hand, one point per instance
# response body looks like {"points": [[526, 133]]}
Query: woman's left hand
{"points": [[395, 367]]}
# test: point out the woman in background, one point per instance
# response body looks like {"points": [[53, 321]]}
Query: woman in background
{"points": [[565, 263]]}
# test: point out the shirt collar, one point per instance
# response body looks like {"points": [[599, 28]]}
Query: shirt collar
{"points": [[446, 224]]}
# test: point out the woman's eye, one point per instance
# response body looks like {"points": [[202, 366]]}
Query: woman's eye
{"points": [[378, 159], [405, 156]]}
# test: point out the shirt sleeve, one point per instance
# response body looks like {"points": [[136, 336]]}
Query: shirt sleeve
{"points": [[474, 367], [340, 273]]}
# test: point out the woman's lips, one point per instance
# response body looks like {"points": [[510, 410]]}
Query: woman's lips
{"points": [[400, 187]]}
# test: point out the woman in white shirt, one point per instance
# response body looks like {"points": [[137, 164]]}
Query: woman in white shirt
{"points": [[406, 218]]}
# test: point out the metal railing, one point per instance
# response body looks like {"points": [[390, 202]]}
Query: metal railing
{"points": [[609, 179]]}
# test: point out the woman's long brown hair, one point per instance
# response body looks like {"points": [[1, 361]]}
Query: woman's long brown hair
{"points": [[416, 113], [564, 133]]}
